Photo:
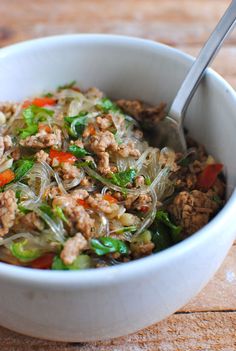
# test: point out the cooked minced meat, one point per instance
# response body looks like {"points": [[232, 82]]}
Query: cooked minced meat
{"points": [[78, 181]]}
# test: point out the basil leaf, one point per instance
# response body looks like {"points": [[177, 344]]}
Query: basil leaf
{"points": [[67, 86], [161, 237], [163, 217], [48, 95], [105, 245], [47, 209], [78, 151], [107, 105], [30, 130], [23, 209], [77, 124], [122, 179], [32, 115], [21, 168], [81, 262]]}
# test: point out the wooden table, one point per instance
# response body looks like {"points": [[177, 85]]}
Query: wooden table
{"points": [[208, 322]]}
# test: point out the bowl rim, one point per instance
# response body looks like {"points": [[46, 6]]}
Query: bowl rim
{"points": [[107, 275]]}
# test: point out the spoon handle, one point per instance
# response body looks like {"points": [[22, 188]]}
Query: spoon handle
{"points": [[207, 53]]}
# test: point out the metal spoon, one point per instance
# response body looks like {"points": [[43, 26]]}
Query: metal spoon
{"points": [[170, 130]]}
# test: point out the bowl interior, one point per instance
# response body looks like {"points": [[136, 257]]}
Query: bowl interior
{"points": [[124, 68]]}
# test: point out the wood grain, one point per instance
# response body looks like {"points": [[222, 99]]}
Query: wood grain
{"points": [[208, 322], [200, 331]]}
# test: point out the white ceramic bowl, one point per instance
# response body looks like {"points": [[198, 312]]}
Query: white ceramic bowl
{"points": [[109, 302]]}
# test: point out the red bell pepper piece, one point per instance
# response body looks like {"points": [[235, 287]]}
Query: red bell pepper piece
{"points": [[62, 156], [44, 127], [43, 262], [83, 203], [208, 176], [40, 102], [6, 177], [110, 199]]}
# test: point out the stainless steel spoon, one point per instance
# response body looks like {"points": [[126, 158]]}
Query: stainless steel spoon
{"points": [[170, 130]]}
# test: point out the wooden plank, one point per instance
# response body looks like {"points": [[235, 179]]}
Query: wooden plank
{"points": [[220, 293], [171, 21], [200, 331]]}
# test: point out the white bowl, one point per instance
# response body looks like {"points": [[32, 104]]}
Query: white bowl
{"points": [[114, 301]]}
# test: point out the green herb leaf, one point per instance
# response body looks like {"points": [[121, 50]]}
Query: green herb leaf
{"points": [[47, 209], [161, 237], [81, 262], [107, 105], [77, 124], [32, 116], [163, 217], [21, 168], [23, 252], [67, 86], [78, 151], [23, 209], [59, 213], [30, 130], [122, 179], [148, 180], [48, 95], [105, 245]]}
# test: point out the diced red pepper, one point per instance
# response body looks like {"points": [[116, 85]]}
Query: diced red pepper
{"points": [[83, 203], [26, 104], [110, 198], [6, 177], [89, 130], [40, 102], [209, 175], [62, 156], [44, 127], [43, 262], [144, 209]]}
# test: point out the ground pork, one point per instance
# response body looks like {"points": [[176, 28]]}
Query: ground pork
{"points": [[77, 142], [51, 192], [68, 171], [94, 93], [8, 207], [78, 216], [140, 203], [73, 247], [192, 210], [142, 250], [79, 194], [42, 156], [8, 109], [104, 163], [100, 144], [43, 139], [5, 144], [126, 150], [16, 154], [103, 141], [98, 203], [142, 112], [28, 222], [104, 122], [87, 182]]}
